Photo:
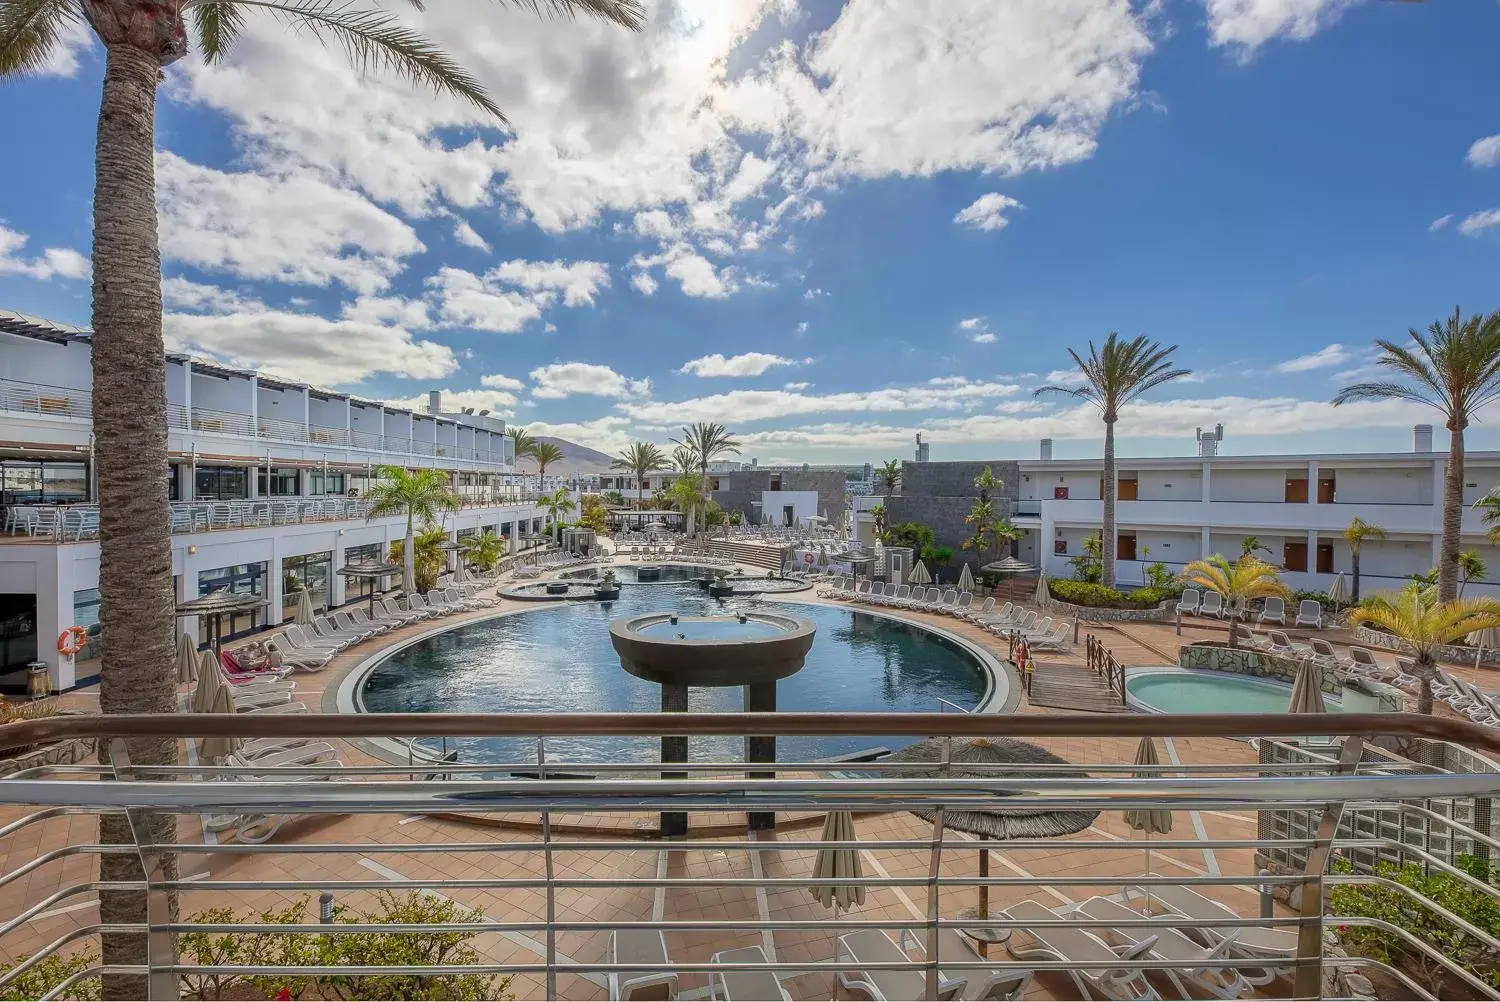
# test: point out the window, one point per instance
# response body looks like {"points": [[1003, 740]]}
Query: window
{"points": [[311, 571], [775, 481], [17, 630], [220, 483], [360, 587], [713, 484], [241, 579], [174, 482], [280, 483], [319, 482], [35, 481], [86, 607], [65, 483]]}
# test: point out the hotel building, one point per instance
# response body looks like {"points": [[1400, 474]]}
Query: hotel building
{"points": [[266, 479]]}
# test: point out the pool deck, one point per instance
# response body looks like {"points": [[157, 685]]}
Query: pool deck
{"points": [[1131, 644]]}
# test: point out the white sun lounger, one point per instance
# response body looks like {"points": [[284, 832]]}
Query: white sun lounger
{"points": [[1067, 944], [1274, 611], [875, 946], [1254, 942], [655, 978], [745, 986], [1198, 967]]}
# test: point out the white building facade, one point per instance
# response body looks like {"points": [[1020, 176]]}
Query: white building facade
{"points": [[266, 480]]}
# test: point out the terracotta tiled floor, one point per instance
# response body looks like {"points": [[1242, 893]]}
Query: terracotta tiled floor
{"points": [[379, 860]]}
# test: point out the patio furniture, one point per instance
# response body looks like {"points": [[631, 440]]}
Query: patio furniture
{"points": [[1068, 944], [1309, 613], [875, 946], [1273, 611], [645, 949], [1173, 946], [1280, 643], [1187, 605], [1212, 604], [1003, 985], [1249, 941], [745, 986]]}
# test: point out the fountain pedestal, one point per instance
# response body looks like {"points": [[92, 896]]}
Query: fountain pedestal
{"points": [[754, 651]]}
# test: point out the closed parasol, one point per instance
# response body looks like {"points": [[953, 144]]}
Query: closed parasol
{"points": [[187, 658], [1043, 592], [965, 579], [919, 575], [1307, 691], [305, 611], [1150, 821]]}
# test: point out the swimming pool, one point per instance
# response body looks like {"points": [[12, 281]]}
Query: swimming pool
{"points": [[558, 659], [1169, 690]]}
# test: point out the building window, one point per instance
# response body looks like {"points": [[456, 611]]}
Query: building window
{"points": [[174, 482], [713, 483], [17, 630], [241, 579], [775, 481], [368, 554], [281, 482], [320, 482], [86, 607], [311, 571], [39, 481], [220, 483]]}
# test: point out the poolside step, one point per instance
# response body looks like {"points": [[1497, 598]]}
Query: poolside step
{"points": [[1072, 687]]}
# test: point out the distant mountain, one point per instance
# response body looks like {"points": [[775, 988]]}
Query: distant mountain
{"points": [[576, 459]]}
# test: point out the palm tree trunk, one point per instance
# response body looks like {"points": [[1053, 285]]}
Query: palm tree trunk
{"points": [[409, 560], [1354, 570], [1424, 693], [137, 602], [1107, 563], [1453, 509]]}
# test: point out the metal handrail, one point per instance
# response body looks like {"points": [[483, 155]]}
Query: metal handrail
{"points": [[45, 400]]}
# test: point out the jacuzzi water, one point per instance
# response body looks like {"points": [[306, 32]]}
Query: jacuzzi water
{"points": [[558, 659], [710, 629], [1213, 692]]}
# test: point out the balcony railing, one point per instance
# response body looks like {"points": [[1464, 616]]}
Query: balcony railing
{"points": [[558, 889], [221, 422], [44, 400], [324, 435], [365, 440], [280, 430]]}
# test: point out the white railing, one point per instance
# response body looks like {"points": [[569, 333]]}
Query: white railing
{"points": [[285, 431], [44, 400], [222, 422], [323, 435]]}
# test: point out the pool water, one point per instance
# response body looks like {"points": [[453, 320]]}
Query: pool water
{"points": [[1213, 692], [710, 629], [558, 659], [626, 573]]}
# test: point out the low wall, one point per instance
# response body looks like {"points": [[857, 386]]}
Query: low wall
{"points": [[1367, 637], [1243, 661], [1093, 614]]}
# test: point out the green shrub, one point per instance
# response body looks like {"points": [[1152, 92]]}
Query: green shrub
{"points": [[51, 972], [1155, 594], [1320, 597], [1087, 593]]}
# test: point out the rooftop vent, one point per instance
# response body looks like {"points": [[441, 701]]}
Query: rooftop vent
{"points": [[1208, 441], [1046, 449], [1421, 438]]}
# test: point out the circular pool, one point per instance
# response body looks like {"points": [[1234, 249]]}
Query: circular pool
{"points": [[559, 659], [1172, 690], [627, 573]]}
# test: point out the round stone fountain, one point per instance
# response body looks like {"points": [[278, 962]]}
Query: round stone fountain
{"points": [[753, 650]]}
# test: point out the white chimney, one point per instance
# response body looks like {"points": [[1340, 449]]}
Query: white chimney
{"points": [[1421, 438], [434, 401], [1208, 441], [1046, 449]]}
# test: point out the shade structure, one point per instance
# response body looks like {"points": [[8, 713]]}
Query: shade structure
{"points": [[1338, 592], [965, 579], [219, 603], [1043, 593], [1307, 691], [919, 575], [822, 556], [305, 611], [838, 864], [187, 658], [216, 749], [1152, 822], [1009, 565]]}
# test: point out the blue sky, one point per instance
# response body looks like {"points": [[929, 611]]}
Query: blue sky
{"points": [[829, 225]]}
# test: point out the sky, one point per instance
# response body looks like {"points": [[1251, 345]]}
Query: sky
{"points": [[829, 225]]}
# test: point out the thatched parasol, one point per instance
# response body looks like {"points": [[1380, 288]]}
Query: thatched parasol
{"points": [[370, 570], [219, 603], [1009, 565]]}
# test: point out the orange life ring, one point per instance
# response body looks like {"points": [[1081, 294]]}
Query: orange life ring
{"points": [[71, 640]]}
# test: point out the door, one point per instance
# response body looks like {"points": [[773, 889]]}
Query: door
{"points": [[1326, 488], [1130, 490], [1125, 546], [1294, 555], [1325, 558], [788, 515], [1296, 490]]}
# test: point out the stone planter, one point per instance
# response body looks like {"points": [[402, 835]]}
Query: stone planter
{"points": [[1095, 614], [607, 594], [64, 752]]}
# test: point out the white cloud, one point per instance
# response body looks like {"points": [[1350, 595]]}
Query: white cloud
{"points": [[987, 212], [1477, 222], [408, 313], [984, 337], [466, 300], [1439, 223], [1248, 24], [468, 236], [74, 37], [746, 406], [796, 386], [977, 330], [752, 363], [577, 282], [1333, 354], [698, 276], [500, 404], [644, 283], [609, 434], [566, 379], [309, 348], [802, 327], [53, 262], [1484, 152], [496, 381], [196, 297], [1064, 377], [289, 229], [971, 324], [814, 294]]}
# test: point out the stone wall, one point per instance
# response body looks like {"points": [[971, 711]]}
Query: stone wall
{"points": [[939, 495], [1094, 614], [1243, 661], [1367, 637], [740, 487]]}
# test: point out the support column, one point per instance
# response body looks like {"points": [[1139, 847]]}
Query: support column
{"points": [[1312, 558], [761, 698], [336, 581], [1312, 481], [674, 699]]}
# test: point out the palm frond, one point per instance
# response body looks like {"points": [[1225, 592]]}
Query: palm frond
{"points": [[1383, 391], [376, 40], [218, 24], [626, 13], [29, 31], [1077, 392]]}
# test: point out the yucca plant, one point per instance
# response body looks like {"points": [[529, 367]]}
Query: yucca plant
{"points": [[1246, 579], [1425, 622]]}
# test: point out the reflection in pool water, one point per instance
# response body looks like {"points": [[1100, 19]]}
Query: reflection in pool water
{"points": [[558, 659]]}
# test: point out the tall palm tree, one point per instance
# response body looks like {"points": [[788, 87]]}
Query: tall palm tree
{"points": [[417, 494], [545, 454], [1455, 368], [640, 458], [558, 504], [1471, 568], [1355, 534], [708, 440], [523, 442], [140, 38], [687, 496], [683, 460], [428, 555], [1246, 579], [1425, 622], [887, 474], [1114, 374]]}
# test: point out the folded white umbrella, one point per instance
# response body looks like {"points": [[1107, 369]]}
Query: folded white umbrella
{"points": [[210, 679], [919, 575], [838, 864], [966, 579], [305, 611], [187, 658], [216, 749]]}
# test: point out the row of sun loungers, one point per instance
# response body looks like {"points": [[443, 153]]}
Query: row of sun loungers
{"points": [[312, 648], [1211, 603], [1011, 619]]}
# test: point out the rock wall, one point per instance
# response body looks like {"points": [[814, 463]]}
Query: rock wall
{"points": [[939, 495]]}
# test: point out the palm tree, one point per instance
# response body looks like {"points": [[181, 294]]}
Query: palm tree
{"points": [[1455, 368], [428, 556], [887, 473], [1113, 375], [1246, 579], [1489, 509], [484, 551], [1425, 622], [640, 458], [1355, 534], [1251, 545], [707, 440], [417, 494], [545, 453], [1004, 533], [523, 442], [140, 38], [682, 460], [1470, 567], [558, 503], [686, 495]]}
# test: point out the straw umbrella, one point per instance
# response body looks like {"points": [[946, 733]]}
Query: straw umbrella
{"points": [[305, 611], [187, 658], [1150, 821], [965, 579], [1009, 565], [919, 575], [959, 759]]}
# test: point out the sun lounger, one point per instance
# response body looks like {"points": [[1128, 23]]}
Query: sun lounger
{"points": [[304, 660], [1188, 603], [299, 640], [965, 599], [647, 950], [745, 986], [393, 611], [1274, 611], [1309, 613], [1059, 639], [1211, 605], [1171, 946], [325, 629], [1066, 944], [976, 612], [947, 603], [1362, 662], [378, 622], [1324, 656], [1280, 643], [1250, 941], [875, 946], [344, 621], [1007, 984]]}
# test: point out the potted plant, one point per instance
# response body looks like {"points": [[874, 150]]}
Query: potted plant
{"points": [[721, 586], [608, 587]]}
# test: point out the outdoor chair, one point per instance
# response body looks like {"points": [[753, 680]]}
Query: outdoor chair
{"points": [[1274, 611], [1212, 604], [946, 603], [1248, 941], [1362, 663], [745, 986], [1073, 945], [1244, 635], [1324, 655], [1280, 643], [1041, 630], [1187, 605], [301, 641], [965, 599], [324, 628], [1172, 946], [973, 612], [378, 622], [1406, 676], [1309, 613], [1004, 985], [645, 950], [875, 946], [1059, 639], [1235, 610], [344, 621], [389, 607]]}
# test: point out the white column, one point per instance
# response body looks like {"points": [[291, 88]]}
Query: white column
{"points": [[255, 404], [54, 613], [273, 583], [1312, 553], [306, 414], [1312, 481], [336, 581], [1439, 468], [1207, 485], [1206, 543]]}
